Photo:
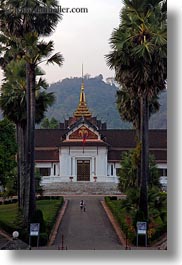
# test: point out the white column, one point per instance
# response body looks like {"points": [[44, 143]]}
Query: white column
{"points": [[71, 166], [92, 168], [52, 169], [74, 168]]}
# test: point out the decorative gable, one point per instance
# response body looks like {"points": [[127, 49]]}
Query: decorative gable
{"points": [[83, 133]]}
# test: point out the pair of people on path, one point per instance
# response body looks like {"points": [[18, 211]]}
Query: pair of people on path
{"points": [[82, 206]]}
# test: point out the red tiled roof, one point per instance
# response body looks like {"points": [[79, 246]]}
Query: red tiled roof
{"points": [[126, 138], [47, 155], [160, 155], [48, 137], [117, 141], [116, 155], [80, 143]]}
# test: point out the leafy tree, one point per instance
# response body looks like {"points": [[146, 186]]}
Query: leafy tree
{"points": [[54, 124], [45, 123], [8, 150], [128, 171], [157, 202], [49, 124]]}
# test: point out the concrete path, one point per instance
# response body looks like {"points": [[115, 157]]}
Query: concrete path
{"points": [[4, 239], [90, 230]]}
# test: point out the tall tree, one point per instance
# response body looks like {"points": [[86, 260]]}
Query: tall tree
{"points": [[13, 104], [23, 22], [8, 150], [36, 52], [139, 59], [128, 106]]}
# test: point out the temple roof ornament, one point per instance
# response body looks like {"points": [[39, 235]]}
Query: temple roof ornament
{"points": [[82, 109]]}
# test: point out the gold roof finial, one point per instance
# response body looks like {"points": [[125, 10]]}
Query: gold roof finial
{"points": [[82, 109], [82, 72], [82, 86]]}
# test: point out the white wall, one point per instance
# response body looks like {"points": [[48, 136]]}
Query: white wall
{"points": [[53, 166], [99, 166], [162, 165], [98, 162]]}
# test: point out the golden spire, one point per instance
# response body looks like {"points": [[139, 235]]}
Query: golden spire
{"points": [[82, 93], [82, 109]]}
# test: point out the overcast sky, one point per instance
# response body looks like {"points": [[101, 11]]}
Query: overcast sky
{"points": [[84, 38]]}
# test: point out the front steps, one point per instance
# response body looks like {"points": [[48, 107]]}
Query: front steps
{"points": [[81, 188]]}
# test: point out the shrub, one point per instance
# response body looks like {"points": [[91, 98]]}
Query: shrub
{"points": [[113, 198], [127, 216], [38, 218]]}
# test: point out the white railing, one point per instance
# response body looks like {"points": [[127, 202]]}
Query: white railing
{"points": [[50, 179], [53, 179]]}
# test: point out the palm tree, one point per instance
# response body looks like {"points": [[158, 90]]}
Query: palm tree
{"points": [[36, 52], [28, 163], [129, 108], [13, 104], [139, 60], [20, 16], [23, 26]]}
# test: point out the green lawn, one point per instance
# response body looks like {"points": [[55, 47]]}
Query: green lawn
{"points": [[8, 213], [48, 208]]}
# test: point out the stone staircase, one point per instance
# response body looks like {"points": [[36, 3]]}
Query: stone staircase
{"points": [[81, 188]]}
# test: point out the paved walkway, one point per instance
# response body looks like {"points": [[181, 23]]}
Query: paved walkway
{"points": [[7, 242], [90, 230], [4, 239]]}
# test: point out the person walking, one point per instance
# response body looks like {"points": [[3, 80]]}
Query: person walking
{"points": [[82, 205]]}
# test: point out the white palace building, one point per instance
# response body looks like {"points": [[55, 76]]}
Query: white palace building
{"points": [[84, 150]]}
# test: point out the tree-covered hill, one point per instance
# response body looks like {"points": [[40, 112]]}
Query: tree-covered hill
{"points": [[101, 98]]}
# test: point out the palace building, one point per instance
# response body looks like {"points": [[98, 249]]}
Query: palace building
{"points": [[84, 150]]}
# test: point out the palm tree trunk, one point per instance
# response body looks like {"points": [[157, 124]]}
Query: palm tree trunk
{"points": [[143, 202], [29, 207], [23, 175], [21, 140], [18, 161], [32, 141], [138, 143], [27, 149]]}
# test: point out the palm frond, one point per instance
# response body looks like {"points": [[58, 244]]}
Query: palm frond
{"points": [[57, 58]]}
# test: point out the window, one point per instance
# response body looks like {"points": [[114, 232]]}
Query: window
{"points": [[54, 170], [112, 169], [45, 172], [162, 172]]}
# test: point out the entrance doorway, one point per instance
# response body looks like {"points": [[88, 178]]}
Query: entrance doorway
{"points": [[83, 170]]}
